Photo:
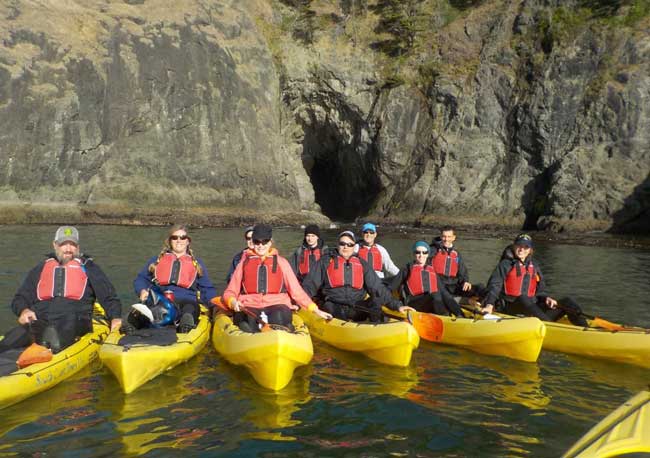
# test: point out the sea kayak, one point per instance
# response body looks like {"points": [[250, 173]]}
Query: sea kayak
{"points": [[631, 345], [389, 343], [135, 363], [516, 338], [33, 379], [271, 356], [624, 431]]}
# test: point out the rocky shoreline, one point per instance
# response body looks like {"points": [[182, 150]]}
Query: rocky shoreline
{"points": [[236, 217]]}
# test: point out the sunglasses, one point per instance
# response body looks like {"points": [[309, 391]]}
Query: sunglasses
{"points": [[179, 237], [248, 238], [368, 232], [421, 252], [347, 244], [261, 242]]}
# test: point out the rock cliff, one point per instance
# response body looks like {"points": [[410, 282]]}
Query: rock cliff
{"points": [[529, 113]]}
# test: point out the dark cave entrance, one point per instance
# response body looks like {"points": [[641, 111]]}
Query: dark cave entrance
{"points": [[343, 174]]}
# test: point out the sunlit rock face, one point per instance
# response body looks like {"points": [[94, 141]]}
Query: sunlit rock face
{"points": [[530, 113]]}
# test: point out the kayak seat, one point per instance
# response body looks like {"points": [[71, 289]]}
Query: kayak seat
{"points": [[150, 336]]}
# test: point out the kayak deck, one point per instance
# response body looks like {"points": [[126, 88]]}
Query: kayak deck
{"points": [[271, 357], [625, 430], [33, 379], [515, 338], [630, 346], [388, 343], [134, 365]]}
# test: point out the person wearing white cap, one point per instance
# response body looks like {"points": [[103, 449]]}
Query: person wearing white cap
{"points": [[375, 254], [517, 284], [350, 288], [57, 297]]}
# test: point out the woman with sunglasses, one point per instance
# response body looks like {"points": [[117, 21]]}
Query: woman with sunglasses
{"points": [[421, 287], [517, 284], [263, 287], [178, 270], [350, 286]]}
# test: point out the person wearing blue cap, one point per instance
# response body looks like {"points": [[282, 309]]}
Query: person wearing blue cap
{"points": [[351, 289], [421, 287], [236, 259], [518, 286], [375, 254], [308, 254]]}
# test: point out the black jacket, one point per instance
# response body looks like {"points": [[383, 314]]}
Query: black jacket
{"points": [[99, 289], [317, 281]]}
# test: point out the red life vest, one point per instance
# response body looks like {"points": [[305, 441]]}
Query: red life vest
{"points": [[446, 263], [421, 279], [518, 283], [345, 273], [172, 270], [308, 258], [58, 280], [372, 256], [262, 276]]}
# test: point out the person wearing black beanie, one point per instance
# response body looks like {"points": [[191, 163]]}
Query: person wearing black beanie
{"points": [[308, 253]]}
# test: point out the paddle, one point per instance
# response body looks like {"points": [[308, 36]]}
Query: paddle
{"points": [[596, 321], [485, 315], [35, 353], [218, 301], [429, 326]]}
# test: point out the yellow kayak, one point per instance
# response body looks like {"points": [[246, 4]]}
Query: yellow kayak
{"points": [[624, 431], [516, 338], [134, 365], [389, 343], [33, 379], [271, 357], [631, 346]]}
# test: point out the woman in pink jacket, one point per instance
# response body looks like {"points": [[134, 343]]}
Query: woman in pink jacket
{"points": [[263, 286]]}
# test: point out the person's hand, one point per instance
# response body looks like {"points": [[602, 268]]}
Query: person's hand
{"points": [[116, 323], [551, 302], [236, 305], [405, 309], [294, 307], [27, 316], [144, 294], [489, 308], [467, 286], [324, 315]]}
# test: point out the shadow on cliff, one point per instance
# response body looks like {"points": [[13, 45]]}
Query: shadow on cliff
{"points": [[634, 217], [343, 174], [535, 197]]}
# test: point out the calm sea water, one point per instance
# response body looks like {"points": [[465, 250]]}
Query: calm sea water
{"points": [[449, 402]]}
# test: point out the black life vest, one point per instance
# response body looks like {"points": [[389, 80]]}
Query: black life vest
{"points": [[262, 276], [342, 272], [421, 279], [173, 270], [308, 258], [56, 280], [522, 279], [446, 262], [372, 256]]}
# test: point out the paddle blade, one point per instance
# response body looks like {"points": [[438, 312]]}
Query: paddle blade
{"points": [[428, 326], [601, 323], [218, 302], [33, 354], [144, 310]]}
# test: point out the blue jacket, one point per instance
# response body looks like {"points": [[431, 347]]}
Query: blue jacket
{"points": [[144, 280]]}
